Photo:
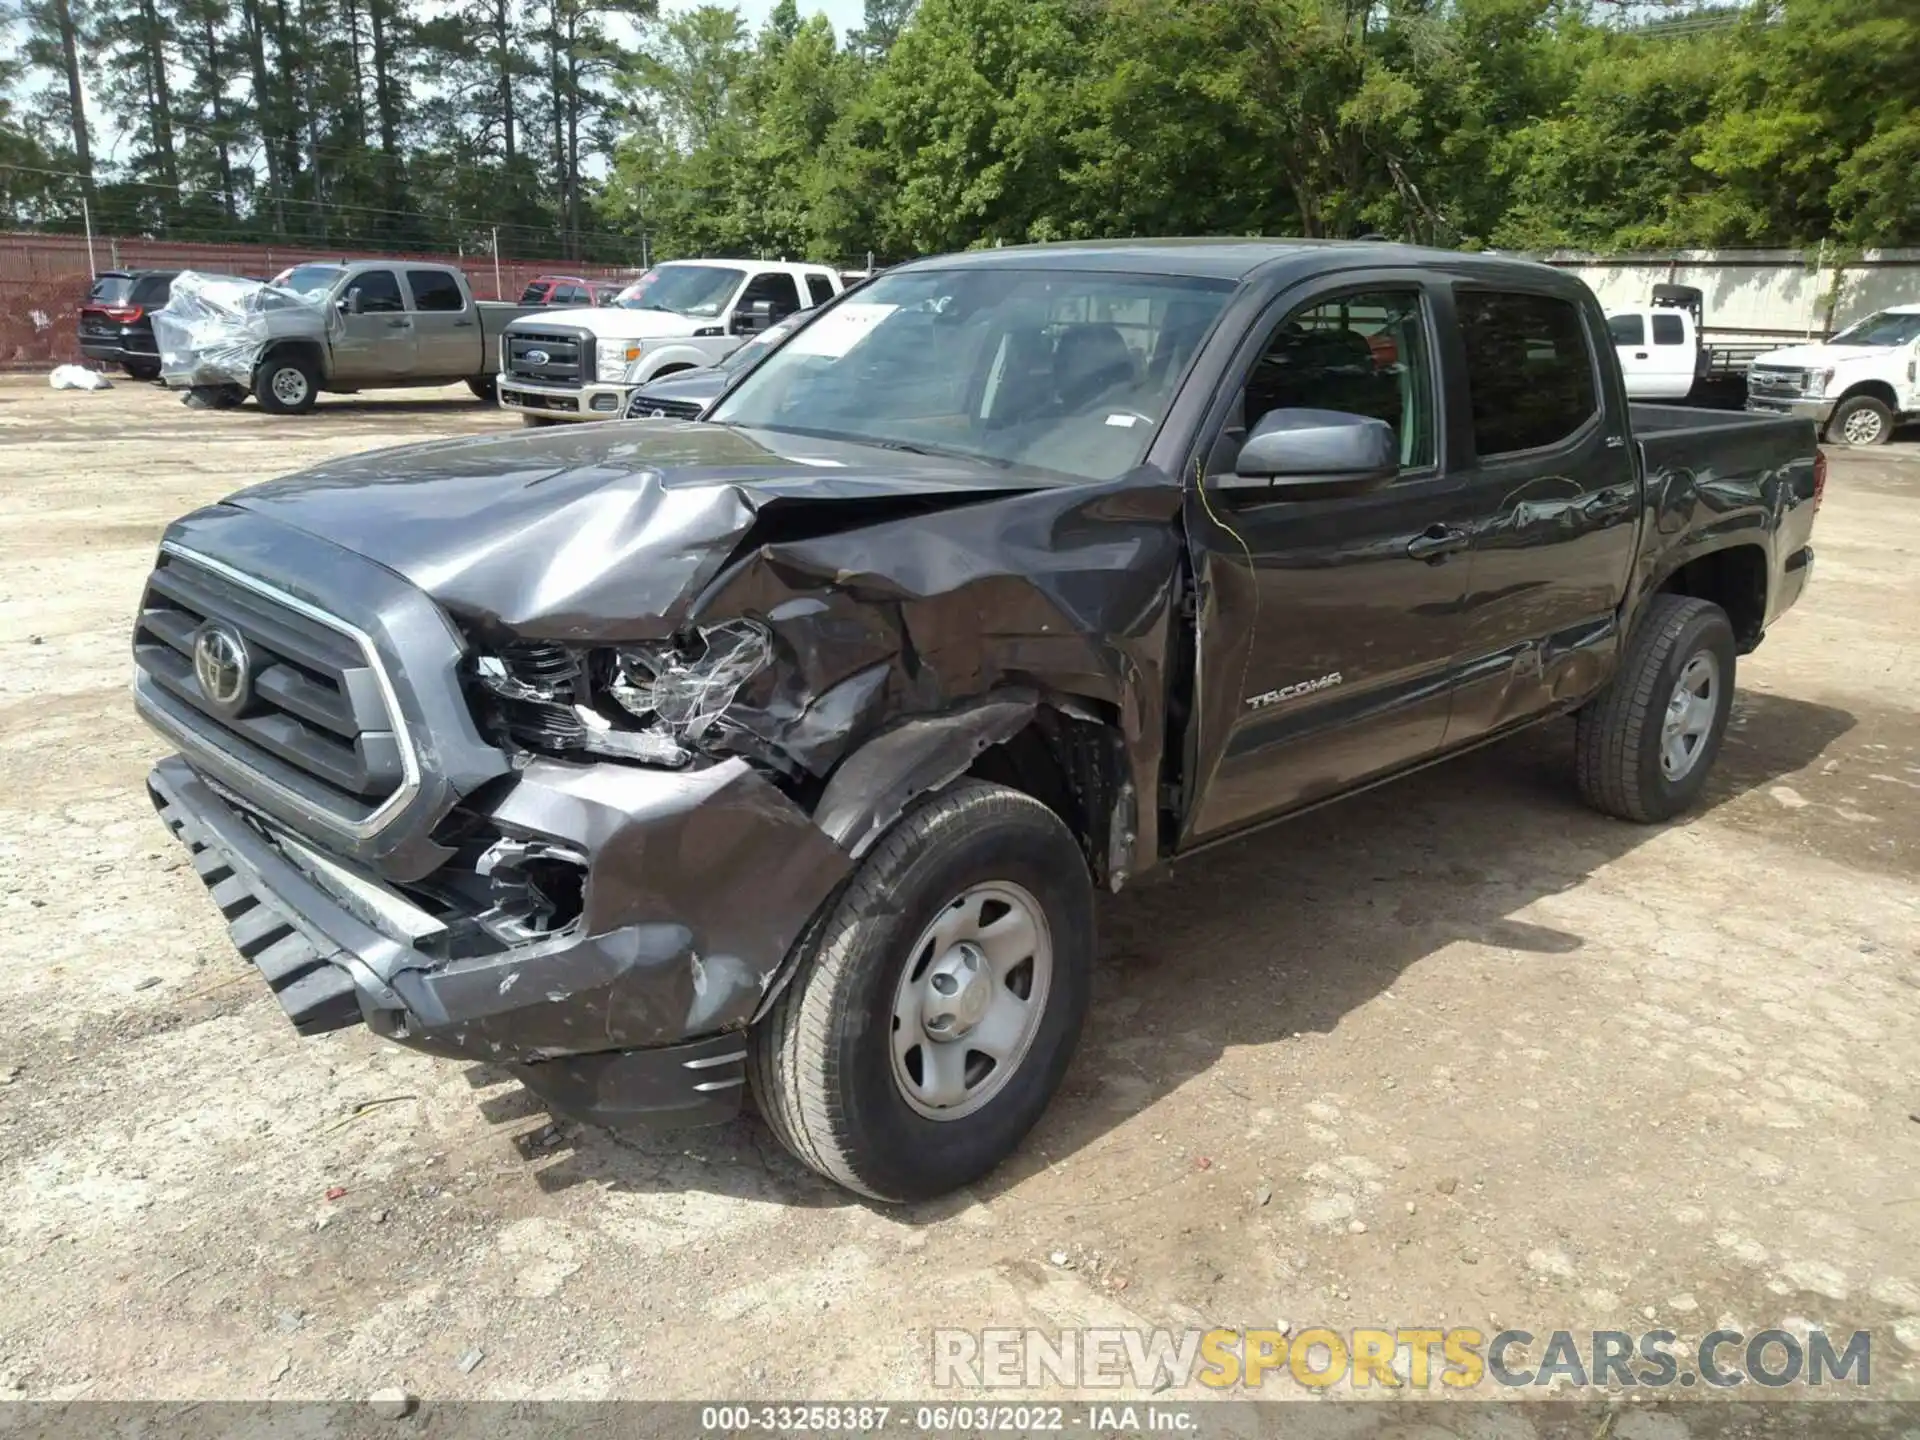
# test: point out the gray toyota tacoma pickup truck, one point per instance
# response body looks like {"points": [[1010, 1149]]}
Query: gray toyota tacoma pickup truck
{"points": [[787, 750]]}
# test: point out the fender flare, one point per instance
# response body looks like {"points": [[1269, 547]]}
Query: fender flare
{"points": [[674, 357], [873, 787]]}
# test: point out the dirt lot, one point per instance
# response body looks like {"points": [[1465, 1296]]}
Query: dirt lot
{"points": [[1459, 1052]]}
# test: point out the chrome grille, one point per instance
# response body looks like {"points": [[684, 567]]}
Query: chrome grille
{"points": [[1776, 380], [313, 718], [549, 356], [643, 406]]}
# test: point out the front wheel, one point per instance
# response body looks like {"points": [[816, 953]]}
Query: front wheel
{"points": [[936, 1005], [286, 385], [486, 391], [142, 369], [1861, 420], [1645, 745]]}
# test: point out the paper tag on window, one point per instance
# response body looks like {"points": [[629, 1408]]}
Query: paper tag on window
{"points": [[1123, 421], [840, 329]]}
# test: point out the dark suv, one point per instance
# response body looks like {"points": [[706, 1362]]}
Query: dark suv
{"points": [[116, 322]]}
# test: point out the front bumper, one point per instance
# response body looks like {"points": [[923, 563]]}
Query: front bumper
{"points": [[587, 402], [1806, 407], [634, 1014]]}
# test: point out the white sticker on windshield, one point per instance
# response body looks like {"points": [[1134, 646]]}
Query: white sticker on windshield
{"points": [[840, 329], [817, 460], [1123, 421]]}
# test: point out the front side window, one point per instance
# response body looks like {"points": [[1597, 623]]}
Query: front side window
{"points": [[1051, 370], [1364, 354], [1627, 329], [379, 292], [435, 290], [1529, 371], [1669, 330], [777, 289]]}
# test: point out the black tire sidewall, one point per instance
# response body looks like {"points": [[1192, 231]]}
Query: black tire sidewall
{"points": [[1707, 631], [903, 1154], [263, 386]]}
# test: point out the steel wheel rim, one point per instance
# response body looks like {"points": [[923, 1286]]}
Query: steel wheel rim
{"points": [[289, 386], [970, 1000], [1862, 427], [1689, 717]]}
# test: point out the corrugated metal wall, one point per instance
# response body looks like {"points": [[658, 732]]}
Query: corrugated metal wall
{"points": [[44, 279]]}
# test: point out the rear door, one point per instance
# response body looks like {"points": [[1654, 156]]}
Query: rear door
{"points": [[1331, 626], [445, 332], [1555, 501], [1676, 353], [376, 342]]}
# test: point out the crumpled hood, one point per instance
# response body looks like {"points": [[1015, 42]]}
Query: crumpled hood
{"points": [[601, 532], [1817, 357], [616, 322]]}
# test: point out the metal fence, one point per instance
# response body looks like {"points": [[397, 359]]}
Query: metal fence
{"points": [[44, 279]]}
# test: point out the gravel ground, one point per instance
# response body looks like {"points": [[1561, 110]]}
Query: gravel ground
{"points": [[1456, 1052]]}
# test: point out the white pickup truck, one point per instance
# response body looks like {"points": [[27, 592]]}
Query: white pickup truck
{"points": [[582, 364], [1856, 386]]}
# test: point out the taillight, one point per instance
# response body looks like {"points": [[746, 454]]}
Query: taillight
{"points": [[1819, 478], [123, 314]]}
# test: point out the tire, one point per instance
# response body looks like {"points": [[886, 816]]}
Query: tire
{"points": [[1621, 749], [825, 1061], [485, 391], [286, 385], [1860, 421], [142, 369]]}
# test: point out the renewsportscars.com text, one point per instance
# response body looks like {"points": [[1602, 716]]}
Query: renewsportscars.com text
{"points": [[1409, 1357]]}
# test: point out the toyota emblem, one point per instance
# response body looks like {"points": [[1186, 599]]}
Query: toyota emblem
{"points": [[536, 357], [222, 666]]}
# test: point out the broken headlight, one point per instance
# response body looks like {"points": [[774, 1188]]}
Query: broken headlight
{"points": [[550, 697], [685, 691]]}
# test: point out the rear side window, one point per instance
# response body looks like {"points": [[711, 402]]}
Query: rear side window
{"points": [[533, 294], [820, 288], [1629, 329], [153, 289], [435, 290], [569, 295], [1667, 330], [1529, 373]]}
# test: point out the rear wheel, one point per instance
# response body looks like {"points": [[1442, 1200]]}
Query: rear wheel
{"points": [[1861, 420], [937, 1003], [1647, 743], [286, 385], [142, 369]]}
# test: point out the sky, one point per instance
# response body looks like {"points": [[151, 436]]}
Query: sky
{"points": [[845, 14]]}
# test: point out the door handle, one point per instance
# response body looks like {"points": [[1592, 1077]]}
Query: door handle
{"points": [[463, 324], [398, 324], [1616, 500], [1639, 354], [1436, 542]]}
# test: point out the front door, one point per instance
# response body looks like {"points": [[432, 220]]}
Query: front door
{"points": [[1327, 625], [1549, 476], [374, 343]]}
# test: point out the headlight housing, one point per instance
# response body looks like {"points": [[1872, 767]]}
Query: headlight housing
{"points": [[1818, 380], [649, 703], [612, 357]]}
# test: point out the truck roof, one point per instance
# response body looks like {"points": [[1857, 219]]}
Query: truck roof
{"points": [[1222, 258], [790, 267]]}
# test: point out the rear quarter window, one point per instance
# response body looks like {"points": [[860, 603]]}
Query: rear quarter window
{"points": [[1529, 370], [1668, 330]]}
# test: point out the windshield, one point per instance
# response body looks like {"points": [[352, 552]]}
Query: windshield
{"points": [[1889, 327], [309, 282], [701, 290], [1067, 371]]}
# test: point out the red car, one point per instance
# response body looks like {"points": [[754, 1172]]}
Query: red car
{"points": [[569, 290]]}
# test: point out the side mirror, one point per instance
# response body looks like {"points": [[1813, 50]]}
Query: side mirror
{"points": [[350, 302], [755, 318], [1324, 450]]}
